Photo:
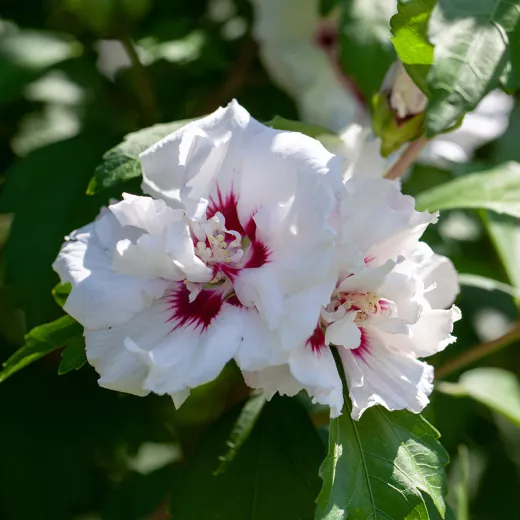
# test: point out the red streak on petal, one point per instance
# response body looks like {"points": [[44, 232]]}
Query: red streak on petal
{"points": [[234, 301], [369, 259], [227, 205], [317, 341], [200, 313], [364, 346], [259, 255]]}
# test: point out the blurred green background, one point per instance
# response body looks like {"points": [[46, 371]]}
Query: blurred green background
{"points": [[68, 93]]}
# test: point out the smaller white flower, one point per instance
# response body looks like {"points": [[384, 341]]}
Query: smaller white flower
{"points": [[235, 248], [387, 310]]}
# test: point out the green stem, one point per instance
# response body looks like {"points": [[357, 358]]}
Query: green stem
{"points": [[478, 352], [143, 87], [411, 152]]}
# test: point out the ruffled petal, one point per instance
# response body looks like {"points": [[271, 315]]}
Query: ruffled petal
{"points": [[440, 279], [314, 372], [168, 349], [380, 220], [376, 375], [99, 297]]}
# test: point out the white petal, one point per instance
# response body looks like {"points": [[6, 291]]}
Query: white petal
{"points": [[368, 279], [431, 334], [307, 370], [318, 375], [100, 297], [344, 332], [179, 398], [377, 375], [440, 279], [260, 288], [380, 220], [194, 155], [158, 352], [299, 66], [261, 346]]}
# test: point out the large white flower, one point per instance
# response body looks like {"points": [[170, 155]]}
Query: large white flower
{"points": [[386, 311], [300, 52], [234, 246]]}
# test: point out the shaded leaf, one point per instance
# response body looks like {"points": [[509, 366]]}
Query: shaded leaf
{"points": [[471, 55], [73, 356], [121, 163], [273, 476], [378, 466], [39, 342], [242, 429], [409, 27], [497, 189]]}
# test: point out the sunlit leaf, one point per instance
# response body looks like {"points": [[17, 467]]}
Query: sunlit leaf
{"points": [[121, 163], [496, 388], [273, 476], [378, 467], [497, 189], [409, 27], [39, 342], [61, 292], [482, 282], [471, 55]]}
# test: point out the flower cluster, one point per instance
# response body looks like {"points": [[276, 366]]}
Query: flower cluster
{"points": [[250, 247]]}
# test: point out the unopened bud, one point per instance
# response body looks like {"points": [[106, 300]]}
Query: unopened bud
{"points": [[398, 110]]}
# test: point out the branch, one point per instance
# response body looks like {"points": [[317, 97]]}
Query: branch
{"points": [[238, 76], [478, 352], [407, 158], [142, 85]]}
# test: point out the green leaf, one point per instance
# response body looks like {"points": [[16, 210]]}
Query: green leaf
{"points": [[121, 163], [48, 202], [482, 282], [61, 292], [366, 52], [497, 189], [273, 476], [409, 27], [378, 467], [280, 123], [505, 235], [39, 342], [73, 356], [461, 483], [242, 429], [496, 388], [471, 56]]}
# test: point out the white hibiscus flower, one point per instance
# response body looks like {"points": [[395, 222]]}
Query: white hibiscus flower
{"points": [[233, 247], [386, 311]]}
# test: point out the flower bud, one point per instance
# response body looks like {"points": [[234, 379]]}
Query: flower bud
{"points": [[398, 110]]}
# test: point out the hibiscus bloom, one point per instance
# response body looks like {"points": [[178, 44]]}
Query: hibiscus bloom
{"points": [[233, 246], [386, 311]]}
